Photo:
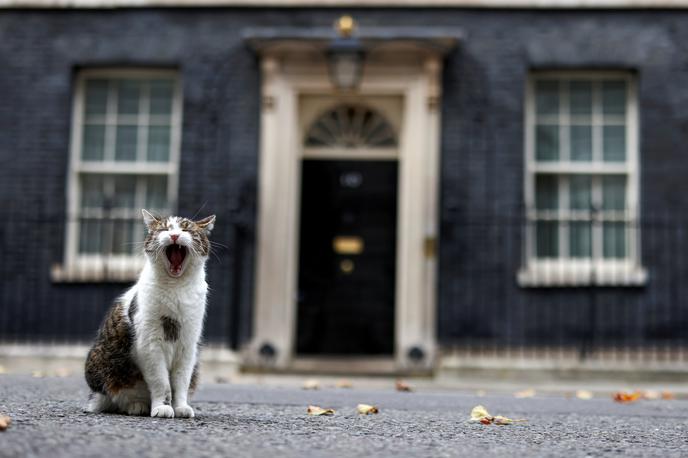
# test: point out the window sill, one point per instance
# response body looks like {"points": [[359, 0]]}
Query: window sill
{"points": [[117, 269], [545, 274]]}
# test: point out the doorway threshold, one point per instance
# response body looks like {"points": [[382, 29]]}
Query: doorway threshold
{"points": [[339, 365]]}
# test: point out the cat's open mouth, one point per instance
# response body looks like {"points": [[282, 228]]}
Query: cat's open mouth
{"points": [[176, 254]]}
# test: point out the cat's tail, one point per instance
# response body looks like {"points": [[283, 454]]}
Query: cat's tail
{"points": [[99, 403]]}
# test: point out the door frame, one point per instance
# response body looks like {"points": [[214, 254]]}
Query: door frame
{"points": [[288, 73]]}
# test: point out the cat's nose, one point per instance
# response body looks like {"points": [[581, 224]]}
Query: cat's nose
{"points": [[174, 237]]}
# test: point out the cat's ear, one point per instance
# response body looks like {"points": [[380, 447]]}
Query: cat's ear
{"points": [[149, 219], [207, 224]]}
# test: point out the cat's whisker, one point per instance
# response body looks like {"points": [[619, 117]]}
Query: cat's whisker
{"points": [[199, 210]]}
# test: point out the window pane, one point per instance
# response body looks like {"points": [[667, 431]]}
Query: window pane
{"points": [[128, 96], [581, 143], [614, 143], [123, 236], [547, 143], [125, 192], [547, 239], [125, 148], [614, 97], [546, 192], [161, 93], [614, 193], [580, 193], [580, 242], [92, 194], [96, 97], [90, 236], [159, 143], [547, 97], [614, 239], [93, 143], [156, 193], [580, 98]]}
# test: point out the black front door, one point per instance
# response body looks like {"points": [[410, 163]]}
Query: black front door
{"points": [[347, 258]]}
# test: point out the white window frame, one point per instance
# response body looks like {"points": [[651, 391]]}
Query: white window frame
{"points": [[567, 271], [117, 267]]}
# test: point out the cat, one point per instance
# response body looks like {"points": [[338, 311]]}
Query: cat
{"points": [[145, 356]]}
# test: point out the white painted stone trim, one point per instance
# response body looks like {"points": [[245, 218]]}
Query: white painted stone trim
{"points": [[567, 272], [287, 77], [514, 4], [77, 267]]}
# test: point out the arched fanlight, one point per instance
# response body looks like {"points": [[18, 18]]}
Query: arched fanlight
{"points": [[351, 126]]}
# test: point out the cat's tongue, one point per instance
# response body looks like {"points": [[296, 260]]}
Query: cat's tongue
{"points": [[176, 255], [176, 258]]}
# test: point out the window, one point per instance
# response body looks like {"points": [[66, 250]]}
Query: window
{"points": [[581, 180], [124, 155]]}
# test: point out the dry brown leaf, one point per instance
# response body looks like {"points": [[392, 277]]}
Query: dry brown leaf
{"points": [[344, 384], [584, 394], [529, 393], [625, 398], [317, 411], [311, 384], [480, 414], [366, 409], [400, 385], [668, 395], [5, 422]]}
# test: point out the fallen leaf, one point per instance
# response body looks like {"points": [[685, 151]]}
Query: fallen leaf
{"points": [[529, 393], [400, 385], [344, 384], [625, 398], [651, 394], [502, 421], [311, 384], [584, 394], [38, 374], [316, 411], [366, 409], [62, 372], [5, 422], [668, 395], [480, 414]]}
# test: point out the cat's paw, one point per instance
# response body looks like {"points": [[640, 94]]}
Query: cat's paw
{"points": [[138, 408], [184, 411], [162, 411]]}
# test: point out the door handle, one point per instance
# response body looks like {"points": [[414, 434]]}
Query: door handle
{"points": [[430, 247]]}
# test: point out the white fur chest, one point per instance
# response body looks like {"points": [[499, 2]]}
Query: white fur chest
{"points": [[170, 314]]}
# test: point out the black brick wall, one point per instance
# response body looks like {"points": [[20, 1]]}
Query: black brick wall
{"points": [[482, 157]]}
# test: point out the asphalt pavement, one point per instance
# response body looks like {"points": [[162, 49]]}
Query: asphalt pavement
{"points": [[48, 420]]}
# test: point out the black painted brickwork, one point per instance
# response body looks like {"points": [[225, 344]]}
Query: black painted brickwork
{"points": [[482, 155]]}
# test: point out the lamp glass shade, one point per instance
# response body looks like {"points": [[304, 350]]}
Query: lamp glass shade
{"points": [[345, 59]]}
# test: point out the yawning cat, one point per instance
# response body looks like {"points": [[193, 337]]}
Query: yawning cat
{"points": [[144, 359]]}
